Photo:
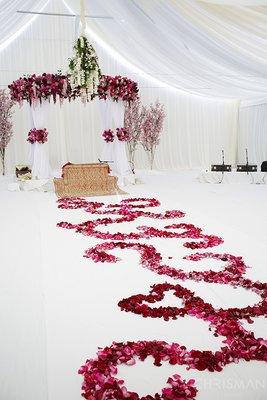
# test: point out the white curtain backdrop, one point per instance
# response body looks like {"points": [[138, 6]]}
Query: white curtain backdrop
{"points": [[121, 166], [113, 117], [105, 109], [205, 62], [253, 124], [38, 159]]}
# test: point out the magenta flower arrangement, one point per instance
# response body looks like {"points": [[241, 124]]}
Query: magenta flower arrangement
{"points": [[37, 136], [101, 373], [108, 135], [117, 88], [41, 87], [35, 88], [122, 134]]}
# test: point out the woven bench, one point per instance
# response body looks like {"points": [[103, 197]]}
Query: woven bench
{"points": [[86, 180]]}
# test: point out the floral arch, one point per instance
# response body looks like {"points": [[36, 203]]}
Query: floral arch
{"points": [[39, 90]]}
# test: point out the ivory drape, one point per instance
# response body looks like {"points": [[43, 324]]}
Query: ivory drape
{"points": [[115, 152], [38, 159]]}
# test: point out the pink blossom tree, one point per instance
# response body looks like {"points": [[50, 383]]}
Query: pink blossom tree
{"points": [[6, 105], [151, 129], [133, 120]]}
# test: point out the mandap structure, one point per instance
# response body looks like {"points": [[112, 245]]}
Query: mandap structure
{"points": [[84, 81]]}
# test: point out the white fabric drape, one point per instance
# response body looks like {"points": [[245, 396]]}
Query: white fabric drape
{"points": [[38, 152], [115, 152], [206, 49], [253, 125], [121, 166], [11, 22], [105, 109]]}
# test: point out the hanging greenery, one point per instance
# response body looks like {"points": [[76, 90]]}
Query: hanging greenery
{"points": [[84, 69]]}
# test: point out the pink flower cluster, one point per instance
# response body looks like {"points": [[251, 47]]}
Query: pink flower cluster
{"points": [[35, 88], [108, 135], [153, 124], [99, 374], [37, 136], [151, 129], [122, 134], [118, 88]]}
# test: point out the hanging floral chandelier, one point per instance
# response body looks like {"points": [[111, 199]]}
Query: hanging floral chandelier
{"points": [[83, 79], [84, 71]]}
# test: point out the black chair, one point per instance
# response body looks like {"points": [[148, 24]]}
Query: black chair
{"points": [[264, 166]]}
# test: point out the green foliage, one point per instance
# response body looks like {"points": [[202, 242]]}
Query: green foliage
{"points": [[83, 67]]}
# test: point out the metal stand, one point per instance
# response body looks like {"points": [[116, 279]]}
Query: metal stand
{"points": [[221, 181]]}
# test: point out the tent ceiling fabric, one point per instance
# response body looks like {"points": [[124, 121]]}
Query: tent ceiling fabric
{"points": [[11, 22], [198, 47], [238, 2]]}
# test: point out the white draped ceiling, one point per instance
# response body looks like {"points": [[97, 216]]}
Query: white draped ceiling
{"points": [[208, 50], [12, 23], [206, 62]]}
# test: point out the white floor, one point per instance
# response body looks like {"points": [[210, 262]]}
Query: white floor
{"points": [[57, 307]]}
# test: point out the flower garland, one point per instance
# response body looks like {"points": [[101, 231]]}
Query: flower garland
{"points": [[37, 136], [35, 88], [239, 344], [117, 88], [84, 71]]}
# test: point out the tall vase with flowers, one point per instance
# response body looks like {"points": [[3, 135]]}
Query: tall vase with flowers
{"points": [[133, 120], [151, 129]]}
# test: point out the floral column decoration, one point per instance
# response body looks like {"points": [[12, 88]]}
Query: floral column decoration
{"points": [[117, 91], [6, 105]]}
